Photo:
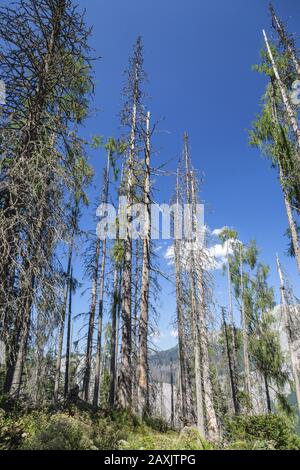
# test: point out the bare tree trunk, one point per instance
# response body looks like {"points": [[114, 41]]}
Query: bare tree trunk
{"points": [[245, 331], [143, 372], [125, 377], [291, 221], [89, 347], [172, 396], [114, 340], [211, 419], [284, 187], [68, 345], [286, 41], [232, 327], [268, 398], [101, 293], [286, 312], [230, 366], [62, 325], [135, 327], [194, 307], [23, 339], [289, 110], [180, 318]]}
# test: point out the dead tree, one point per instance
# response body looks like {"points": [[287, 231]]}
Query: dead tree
{"points": [[287, 309], [102, 283], [143, 372], [285, 39], [131, 117]]}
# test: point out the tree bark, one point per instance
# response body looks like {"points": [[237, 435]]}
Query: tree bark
{"points": [[230, 366], [211, 419], [285, 40], [62, 326], [286, 313], [89, 346], [23, 339], [291, 221], [268, 398], [245, 332], [125, 377], [68, 345], [143, 372], [289, 110], [114, 333], [101, 294]]}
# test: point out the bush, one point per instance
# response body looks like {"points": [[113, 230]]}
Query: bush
{"points": [[107, 434], [63, 432], [16, 427], [191, 439], [262, 431], [157, 423]]}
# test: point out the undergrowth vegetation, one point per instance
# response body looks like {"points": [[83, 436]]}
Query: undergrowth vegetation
{"points": [[75, 429]]}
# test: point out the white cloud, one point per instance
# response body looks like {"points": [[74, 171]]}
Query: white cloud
{"points": [[174, 333], [216, 254], [169, 255], [157, 336], [217, 231]]}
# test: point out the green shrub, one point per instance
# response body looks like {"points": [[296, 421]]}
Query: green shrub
{"points": [[107, 434], [15, 427], [157, 423], [263, 431], [63, 432], [191, 439]]}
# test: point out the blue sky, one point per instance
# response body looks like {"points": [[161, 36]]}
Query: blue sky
{"points": [[198, 57]]}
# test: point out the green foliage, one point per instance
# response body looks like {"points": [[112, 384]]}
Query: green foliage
{"points": [[45, 430], [16, 427], [261, 431], [157, 423], [146, 438], [191, 439], [62, 432]]}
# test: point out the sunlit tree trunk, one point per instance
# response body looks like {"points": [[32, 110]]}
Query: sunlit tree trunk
{"points": [[143, 372], [101, 292], [289, 110]]}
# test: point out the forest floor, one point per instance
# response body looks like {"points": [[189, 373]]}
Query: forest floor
{"points": [[77, 429], [74, 428]]}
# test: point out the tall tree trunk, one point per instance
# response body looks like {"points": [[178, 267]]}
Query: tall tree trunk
{"points": [[230, 366], [211, 418], [68, 345], [125, 377], [101, 293], [172, 396], [291, 221], [23, 339], [286, 313], [233, 345], [143, 372], [286, 41], [245, 331], [62, 324], [135, 326], [268, 398], [195, 314], [180, 316], [114, 339], [289, 110], [285, 190], [89, 346]]}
